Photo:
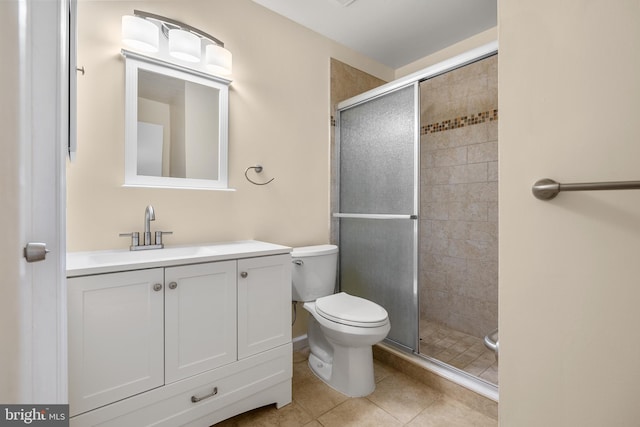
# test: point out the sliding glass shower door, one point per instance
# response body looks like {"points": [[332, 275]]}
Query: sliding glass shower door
{"points": [[378, 205]]}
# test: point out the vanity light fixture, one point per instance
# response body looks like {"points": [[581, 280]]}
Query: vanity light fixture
{"points": [[218, 59], [184, 42], [184, 45], [140, 34]]}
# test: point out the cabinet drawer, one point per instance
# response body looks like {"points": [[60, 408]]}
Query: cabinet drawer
{"points": [[172, 405]]}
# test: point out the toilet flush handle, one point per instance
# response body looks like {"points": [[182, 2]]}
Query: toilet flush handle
{"points": [[298, 262]]}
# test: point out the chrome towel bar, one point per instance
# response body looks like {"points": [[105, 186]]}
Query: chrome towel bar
{"points": [[547, 189], [373, 216]]}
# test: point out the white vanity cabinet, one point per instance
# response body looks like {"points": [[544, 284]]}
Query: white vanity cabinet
{"points": [[190, 341], [263, 322], [116, 337], [200, 318]]}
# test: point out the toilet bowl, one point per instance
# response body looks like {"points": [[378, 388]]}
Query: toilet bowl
{"points": [[342, 328]]}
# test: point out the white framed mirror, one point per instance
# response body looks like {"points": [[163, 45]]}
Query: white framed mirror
{"points": [[176, 125]]}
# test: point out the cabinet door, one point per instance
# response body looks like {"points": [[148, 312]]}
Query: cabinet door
{"points": [[200, 318], [115, 337], [264, 303]]}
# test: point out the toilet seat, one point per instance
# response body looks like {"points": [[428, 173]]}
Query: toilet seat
{"points": [[351, 310]]}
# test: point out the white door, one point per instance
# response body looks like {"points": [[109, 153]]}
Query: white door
{"points": [[32, 307], [200, 318], [264, 303], [116, 337], [569, 92]]}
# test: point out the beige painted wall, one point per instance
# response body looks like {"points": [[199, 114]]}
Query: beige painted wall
{"points": [[279, 117], [569, 97]]}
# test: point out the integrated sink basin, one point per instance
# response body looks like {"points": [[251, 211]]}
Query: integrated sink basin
{"points": [[97, 262], [127, 257]]}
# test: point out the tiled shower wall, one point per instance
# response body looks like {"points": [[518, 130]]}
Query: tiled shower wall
{"points": [[459, 198]]}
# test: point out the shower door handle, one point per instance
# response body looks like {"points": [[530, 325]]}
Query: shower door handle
{"points": [[373, 216]]}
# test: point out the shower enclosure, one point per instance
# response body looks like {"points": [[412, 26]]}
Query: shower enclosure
{"points": [[417, 208], [378, 206]]}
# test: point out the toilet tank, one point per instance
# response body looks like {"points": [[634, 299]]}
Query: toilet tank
{"points": [[313, 272]]}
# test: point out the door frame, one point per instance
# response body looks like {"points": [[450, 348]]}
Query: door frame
{"points": [[34, 367]]}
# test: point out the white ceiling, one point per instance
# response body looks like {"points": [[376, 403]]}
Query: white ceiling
{"points": [[393, 32]]}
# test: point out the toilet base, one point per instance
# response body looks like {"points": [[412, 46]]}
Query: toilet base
{"points": [[320, 368], [351, 372]]}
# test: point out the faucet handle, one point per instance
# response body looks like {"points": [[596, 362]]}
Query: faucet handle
{"points": [[135, 238], [159, 236]]}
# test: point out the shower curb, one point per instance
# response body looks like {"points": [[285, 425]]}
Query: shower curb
{"points": [[483, 399]]}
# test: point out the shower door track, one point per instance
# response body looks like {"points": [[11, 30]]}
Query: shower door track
{"points": [[442, 369]]}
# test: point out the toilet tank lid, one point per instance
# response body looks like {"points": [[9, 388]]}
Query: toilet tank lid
{"points": [[316, 250]]}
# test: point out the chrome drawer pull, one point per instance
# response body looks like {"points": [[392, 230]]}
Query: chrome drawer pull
{"points": [[198, 399]]}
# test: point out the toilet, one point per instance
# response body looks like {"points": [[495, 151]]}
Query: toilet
{"points": [[342, 328]]}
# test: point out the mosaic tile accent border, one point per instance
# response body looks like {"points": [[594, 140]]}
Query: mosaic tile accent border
{"points": [[459, 122]]}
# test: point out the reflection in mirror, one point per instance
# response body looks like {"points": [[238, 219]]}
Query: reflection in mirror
{"points": [[176, 126], [177, 122]]}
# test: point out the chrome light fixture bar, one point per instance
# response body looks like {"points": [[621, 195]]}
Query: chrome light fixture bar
{"points": [[185, 43]]}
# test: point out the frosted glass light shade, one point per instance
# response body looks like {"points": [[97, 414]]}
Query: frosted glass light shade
{"points": [[140, 34], [218, 59], [184, 45]]}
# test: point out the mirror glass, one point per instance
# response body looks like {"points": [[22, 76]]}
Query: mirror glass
{"points": [[176, 127]]}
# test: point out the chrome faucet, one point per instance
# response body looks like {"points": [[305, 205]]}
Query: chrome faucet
{"points": [[136, 245], [149, 215]]}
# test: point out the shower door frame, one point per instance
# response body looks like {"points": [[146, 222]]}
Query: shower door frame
{"points": [[445, 66], [413, 216], [435, 70]]}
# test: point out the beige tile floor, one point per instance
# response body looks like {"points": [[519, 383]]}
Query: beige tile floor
{"points": [[458, 349], [397, 401]]}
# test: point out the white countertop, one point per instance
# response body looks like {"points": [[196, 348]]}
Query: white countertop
{"points": [[98, 262]]}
